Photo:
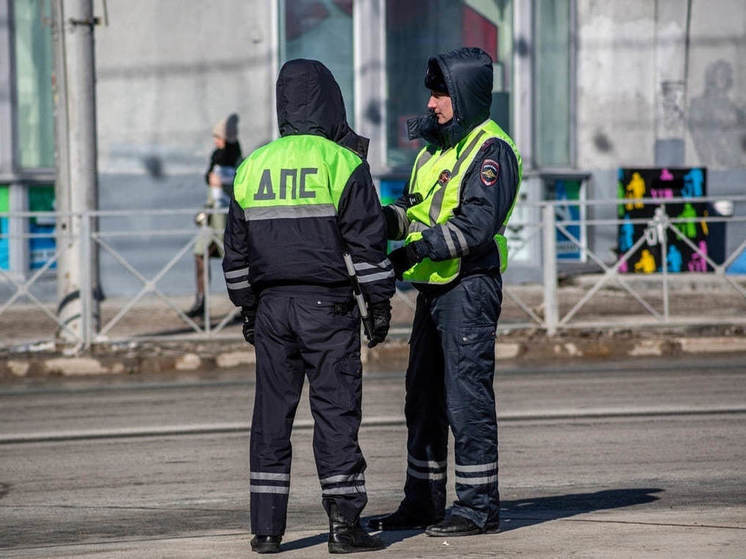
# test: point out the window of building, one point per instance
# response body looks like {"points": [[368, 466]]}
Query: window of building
{"points": [[41, 228], [33, 72], [417, 30], [552, 85], [321, 30]]}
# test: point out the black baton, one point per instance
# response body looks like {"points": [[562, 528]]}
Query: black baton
{"points": [[359, 298]]}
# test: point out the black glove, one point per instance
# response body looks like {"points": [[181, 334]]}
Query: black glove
{"points": [[380, 318], [403, 258], [248, 316], [392, 222]]}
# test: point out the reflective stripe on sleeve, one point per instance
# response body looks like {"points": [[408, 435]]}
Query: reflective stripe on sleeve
{"points": [[376, 277], [401, 219], [237, 273], [449, 241], [459, 237]]}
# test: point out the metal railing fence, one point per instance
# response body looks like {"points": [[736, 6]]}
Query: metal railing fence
{"points": [[545, 305]]}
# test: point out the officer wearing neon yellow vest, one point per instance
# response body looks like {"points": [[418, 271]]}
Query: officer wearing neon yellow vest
{"points": [[302, 202], [452, 217]]}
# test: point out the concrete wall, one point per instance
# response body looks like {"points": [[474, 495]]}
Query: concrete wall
{"points": [[168, 71], [620, 63]]}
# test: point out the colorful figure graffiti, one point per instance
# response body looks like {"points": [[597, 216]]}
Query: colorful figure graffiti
{"points": [[688, 228], [663, 185], [626, 235], [646, 263], [698, 262], [635, 189], [694, 182], [674, 259]]}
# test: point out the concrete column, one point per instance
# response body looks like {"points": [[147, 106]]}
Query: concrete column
{"points": [[76, 163], [369, 35]]}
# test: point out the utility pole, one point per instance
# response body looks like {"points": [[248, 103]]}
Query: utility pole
{"points": [[76, 189]]}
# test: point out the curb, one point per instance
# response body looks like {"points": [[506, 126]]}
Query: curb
{"points": [[142, 358]]}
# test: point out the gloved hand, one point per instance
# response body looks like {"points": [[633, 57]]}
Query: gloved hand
{"points": [[248, 316], [380, 317], [392, 223], [403, 258]]}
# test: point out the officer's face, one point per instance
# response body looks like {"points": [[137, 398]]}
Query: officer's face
{"points": [[440, 104]]}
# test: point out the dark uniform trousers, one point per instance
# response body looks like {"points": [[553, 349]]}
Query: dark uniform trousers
{"points": [[449, 382], [318, 336]]}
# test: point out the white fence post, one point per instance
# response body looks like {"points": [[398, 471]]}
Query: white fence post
{"points": [[551, 310], [86, 287]]}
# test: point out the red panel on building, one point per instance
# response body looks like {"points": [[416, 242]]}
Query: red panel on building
{"points": [[478, 31]]}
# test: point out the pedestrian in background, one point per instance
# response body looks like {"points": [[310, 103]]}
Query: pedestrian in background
{"points": [[452, 217], [302, 202], [224, 160]]}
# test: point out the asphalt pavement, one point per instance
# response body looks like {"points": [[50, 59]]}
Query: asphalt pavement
{"points": [[597, 459]]}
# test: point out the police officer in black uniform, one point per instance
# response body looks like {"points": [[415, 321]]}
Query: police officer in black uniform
{"points": [[452, 218], [300, 204]]}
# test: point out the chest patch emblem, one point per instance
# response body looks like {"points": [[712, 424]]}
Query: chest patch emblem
{"points": [[489, 172], [444, 177]]}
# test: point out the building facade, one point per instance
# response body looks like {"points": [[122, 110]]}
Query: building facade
{"points": [[585, 87]]}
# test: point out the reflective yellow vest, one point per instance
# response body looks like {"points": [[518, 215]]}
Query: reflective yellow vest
{"points": [[295, 176], [437, 177]]}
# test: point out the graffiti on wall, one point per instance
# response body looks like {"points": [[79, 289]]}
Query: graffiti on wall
{"points": [[690, 184]]}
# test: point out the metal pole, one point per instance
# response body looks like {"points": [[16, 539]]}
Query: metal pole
{"points": [[77, 172], [663, 234], [86, 291], [551, 310]]}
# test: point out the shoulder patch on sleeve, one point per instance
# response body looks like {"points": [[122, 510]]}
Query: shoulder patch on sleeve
{"points": [[489, 172]]}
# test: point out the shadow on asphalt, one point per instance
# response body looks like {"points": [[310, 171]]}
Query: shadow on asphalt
{"points": [[528, 512], [308, 541]]}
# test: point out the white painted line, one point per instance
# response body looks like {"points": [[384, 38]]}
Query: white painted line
{"points": [[387, 421]]}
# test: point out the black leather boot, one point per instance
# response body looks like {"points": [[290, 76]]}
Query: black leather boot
{"points": [[349, 537], [456, 525], [266, 544], [198, 308], [403, 519]]}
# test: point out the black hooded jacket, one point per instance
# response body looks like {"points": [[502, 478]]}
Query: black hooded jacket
{"points": [[304, 254], [467, 75]]}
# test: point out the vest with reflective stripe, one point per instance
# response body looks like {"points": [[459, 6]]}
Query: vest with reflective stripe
{"points": [[441, 195], [295, 176]]}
